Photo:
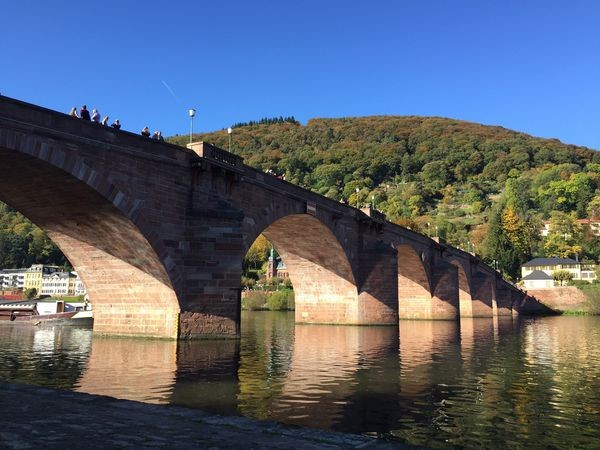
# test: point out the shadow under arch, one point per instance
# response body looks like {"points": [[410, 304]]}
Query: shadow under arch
{"points": [[324, 284], [483, 295], [414, 288], [464, 291], [127, 283]]}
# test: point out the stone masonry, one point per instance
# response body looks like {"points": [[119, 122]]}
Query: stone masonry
{"points": [[158, 234]]}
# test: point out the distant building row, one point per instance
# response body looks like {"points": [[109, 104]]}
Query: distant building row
{"points": [[46, 280]]}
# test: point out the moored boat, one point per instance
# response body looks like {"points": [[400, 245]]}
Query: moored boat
{"points": [[39, 312]]}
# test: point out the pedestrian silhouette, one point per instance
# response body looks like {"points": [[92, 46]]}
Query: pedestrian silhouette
{"points": [[116, 125], [84, 113], [145, 132]]}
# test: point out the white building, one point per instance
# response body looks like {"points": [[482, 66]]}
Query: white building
{"points": [[12, 278], [538, 280], [578, 270], [77, 286], [56, 284]]}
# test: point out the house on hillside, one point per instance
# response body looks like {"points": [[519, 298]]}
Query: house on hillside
{"points": [[577, 269], [538, 280]]}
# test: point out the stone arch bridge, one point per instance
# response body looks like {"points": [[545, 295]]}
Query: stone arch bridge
{"points": [[158, 234]]}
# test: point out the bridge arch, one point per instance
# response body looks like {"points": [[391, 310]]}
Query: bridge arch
{"points": [[324, 283], [414, 286], [94, 225]]}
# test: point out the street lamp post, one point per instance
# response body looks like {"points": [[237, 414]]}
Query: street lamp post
{"points": [[229, 131], [192, 113], [357, 204]]}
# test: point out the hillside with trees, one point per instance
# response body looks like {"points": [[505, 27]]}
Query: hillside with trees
{"points": [[479, 187]]}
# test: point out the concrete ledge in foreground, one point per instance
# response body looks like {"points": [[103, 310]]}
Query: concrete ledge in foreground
{"points": [[33, 417]]}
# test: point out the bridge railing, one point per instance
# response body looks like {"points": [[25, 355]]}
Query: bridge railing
{"points": [[215, 154]]}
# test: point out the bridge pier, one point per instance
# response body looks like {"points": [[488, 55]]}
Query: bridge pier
{"points": [[378, 292], [445, 298], [483, 296], [504, 301], [414, 289], [211, 299]]}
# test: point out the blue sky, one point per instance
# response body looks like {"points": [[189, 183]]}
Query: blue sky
{"points": [[532, 66]]}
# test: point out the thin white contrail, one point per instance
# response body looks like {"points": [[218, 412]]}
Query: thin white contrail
{"points": [[170, 90]]}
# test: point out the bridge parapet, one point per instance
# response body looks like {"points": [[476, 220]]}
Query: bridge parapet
{"points": [[375, 215], [219, 156]]}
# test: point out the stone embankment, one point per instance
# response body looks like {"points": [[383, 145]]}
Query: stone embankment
{"points": [[34, 418]]}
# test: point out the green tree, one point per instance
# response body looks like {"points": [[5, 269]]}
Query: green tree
{"points": [[258, 252], [565, 236], [593, 208], [562, 276], [498, 247]]}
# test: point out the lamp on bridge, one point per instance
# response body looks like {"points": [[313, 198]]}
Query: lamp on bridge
{"points": [[357, 204], [192, 113], [229, 131]]}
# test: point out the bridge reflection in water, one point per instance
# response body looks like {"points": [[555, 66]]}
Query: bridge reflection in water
{"points": [[473, 383]]}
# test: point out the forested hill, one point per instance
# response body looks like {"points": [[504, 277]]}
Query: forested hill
{"points": [[460, 177], [375, 150]]}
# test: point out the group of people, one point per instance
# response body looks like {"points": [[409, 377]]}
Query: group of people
{"points": [[272, 172], [84, 114], [157, 136]]}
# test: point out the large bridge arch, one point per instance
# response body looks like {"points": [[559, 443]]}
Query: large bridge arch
{"points": [[414, 286], [93, 224], [324, 282]]}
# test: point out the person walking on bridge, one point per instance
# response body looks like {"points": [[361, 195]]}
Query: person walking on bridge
{"points": [[95, 116], [73, 112]]}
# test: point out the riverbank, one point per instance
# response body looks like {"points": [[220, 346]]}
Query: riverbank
{"points": [[583, 299], [34, 417]]}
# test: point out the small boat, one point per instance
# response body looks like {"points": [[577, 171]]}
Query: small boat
{"points": [[38, 312]]}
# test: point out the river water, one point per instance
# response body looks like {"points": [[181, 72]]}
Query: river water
{"points": [[484, 383]]}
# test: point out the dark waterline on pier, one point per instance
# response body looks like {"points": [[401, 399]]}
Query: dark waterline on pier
{"points": [[484, 383]]}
